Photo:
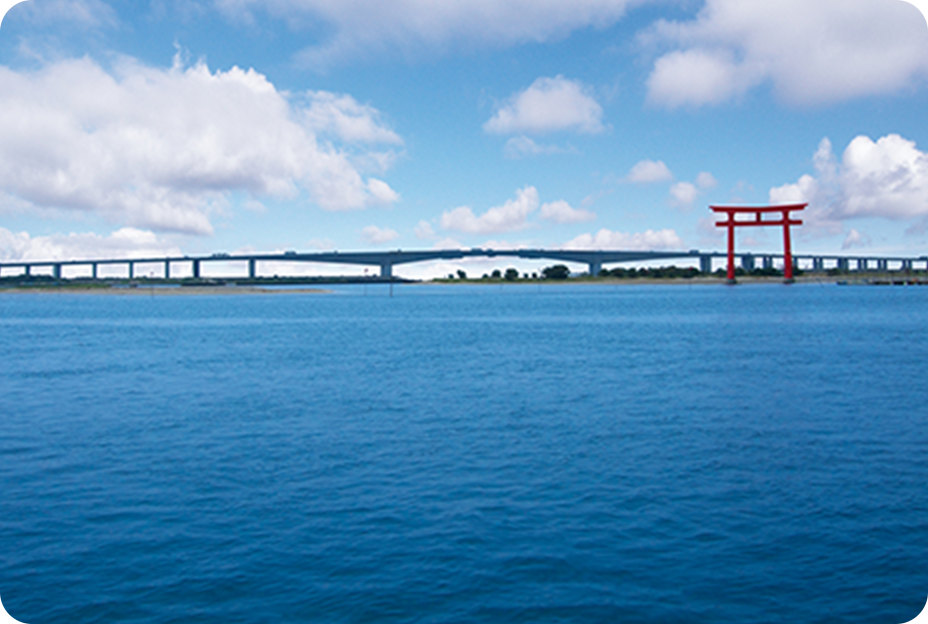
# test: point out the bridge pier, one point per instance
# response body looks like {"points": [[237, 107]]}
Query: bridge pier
{"points": [[386, 269], [252, 264], [843, 264], [167, 269], [861, 264], [196, 269], [818, 264], [131, 270], [595, 268], [93, 270], [882, 265], [56, 271], [747, 262], [767, 262], [705, 264]]}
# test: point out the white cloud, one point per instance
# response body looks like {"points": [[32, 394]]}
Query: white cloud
{"points": [[561, 212], [342, 116], [511, 216], [696, 77], [883, 179], [424, 230], [638, 241], [380, 193], [549, 105], [648, 172], [123, 243], [361, 27], [521, 146], [706, 181], [810, 52], [448, 243], [684, 194], [162, 149], [374, 235], [855, 239]]}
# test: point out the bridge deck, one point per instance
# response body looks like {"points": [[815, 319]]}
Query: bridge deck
{"points": [[386, 260]]}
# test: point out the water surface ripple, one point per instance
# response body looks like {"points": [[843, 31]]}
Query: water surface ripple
{"points": [[457, 454]]}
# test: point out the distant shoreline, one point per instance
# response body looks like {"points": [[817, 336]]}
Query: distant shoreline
{"points": [[161, 290]]}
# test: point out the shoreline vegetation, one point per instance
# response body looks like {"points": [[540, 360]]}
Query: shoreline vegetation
{"points": [[557, 274]]}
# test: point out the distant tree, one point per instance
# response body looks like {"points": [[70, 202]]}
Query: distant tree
{"points": [[556, 272], [496, 274], [511, 275], [461, 274]]}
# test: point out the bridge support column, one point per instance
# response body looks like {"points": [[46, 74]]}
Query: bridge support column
{"points": [[252, 263], [196, 269], [56, 271], [167, 269], [767, 262], [93, 270], [386, 269], [705, 264], [595, 268], [906, 265], [882, 265], [818, 264], [843, 264], [131, 270], [861, 264], [747, 262], [28, 271]]}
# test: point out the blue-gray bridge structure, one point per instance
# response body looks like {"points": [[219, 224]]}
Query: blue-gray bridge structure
{"points": [[387, 260]]}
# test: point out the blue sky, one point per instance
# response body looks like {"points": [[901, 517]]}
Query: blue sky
{"points": [[130, 128]]}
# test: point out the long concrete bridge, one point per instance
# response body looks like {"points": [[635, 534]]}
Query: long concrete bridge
{"points": [[387, 260]]}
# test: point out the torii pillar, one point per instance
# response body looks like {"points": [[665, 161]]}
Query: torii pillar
{"points": [[758, 212]]}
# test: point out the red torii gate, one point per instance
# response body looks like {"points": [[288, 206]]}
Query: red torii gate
{"points": [[759, 221]]}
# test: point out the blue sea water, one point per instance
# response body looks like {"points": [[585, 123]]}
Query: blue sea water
{"points": [[466, 454]]}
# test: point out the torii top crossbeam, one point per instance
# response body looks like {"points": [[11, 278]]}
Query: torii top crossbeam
{"points": [[758, 220]]}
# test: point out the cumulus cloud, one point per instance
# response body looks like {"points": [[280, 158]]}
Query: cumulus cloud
{"points": [[638, 241], [163, 148], [648, 172], [885, 179], [424, 230], [697, 77], [123, 243], [706, 181], [548, 105], [684, 194], [855, 239], [561, 212], [359, 27], [511, 216], [809, 52], [374, 235], [342, 116]]}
